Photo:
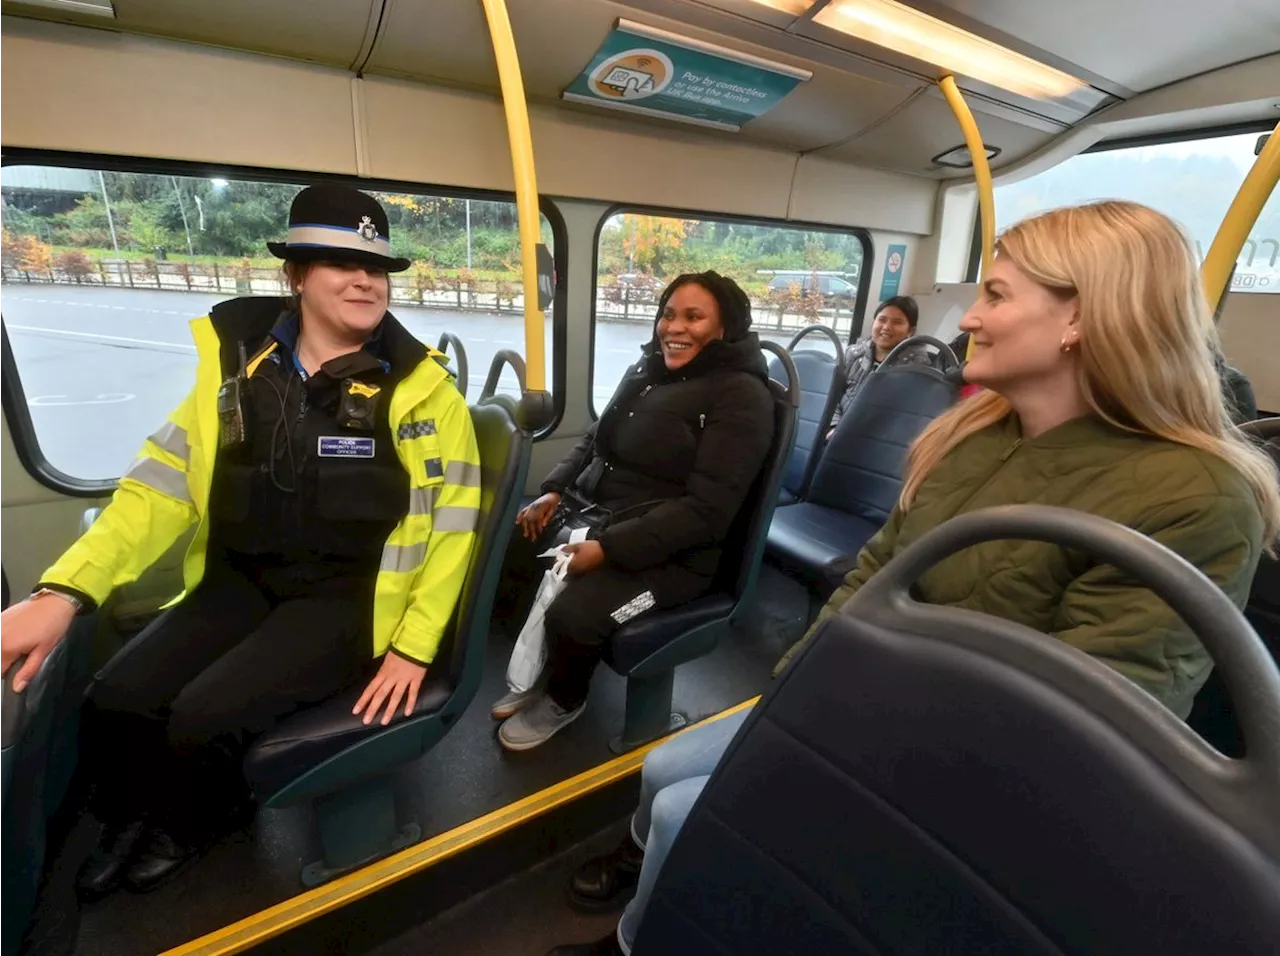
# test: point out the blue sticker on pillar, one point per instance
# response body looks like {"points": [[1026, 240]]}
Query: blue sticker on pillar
{"points": [[893, 263], [435, 468], [343, 447]]}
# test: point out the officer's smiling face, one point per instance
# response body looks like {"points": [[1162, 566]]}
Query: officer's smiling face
{"points": [[350, 299]]}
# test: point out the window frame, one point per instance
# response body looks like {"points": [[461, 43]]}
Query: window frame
{"points": [[17, 412], [1127, 142], [860, 233]]}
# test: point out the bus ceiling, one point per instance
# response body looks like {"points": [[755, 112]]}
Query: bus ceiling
{"points": [[1030, 72]]}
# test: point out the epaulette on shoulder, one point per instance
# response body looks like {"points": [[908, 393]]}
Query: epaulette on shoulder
{"points": [[442, 360]]}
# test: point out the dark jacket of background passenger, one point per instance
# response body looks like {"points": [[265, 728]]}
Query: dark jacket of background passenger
{"points": [[860, 362], [1188, 500], [694, 440], [1238, 391]]}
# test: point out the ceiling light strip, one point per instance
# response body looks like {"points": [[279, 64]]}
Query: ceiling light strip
{"points": [[93, 8], [902, 29]]}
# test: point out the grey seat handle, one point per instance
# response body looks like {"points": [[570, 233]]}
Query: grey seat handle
{"points": [[789, 367], [448, 340], [1250, 674], [501, 358], [823, 330], [948, 357]]}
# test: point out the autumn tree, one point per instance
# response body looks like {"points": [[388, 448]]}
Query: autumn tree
{"points": [[649, 240], [35, 256], [75, 264], [12, 246]]}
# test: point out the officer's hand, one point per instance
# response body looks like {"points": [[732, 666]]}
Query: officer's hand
{"points": [[587, 556], [395, 679], [533, 519], [32, 627]]}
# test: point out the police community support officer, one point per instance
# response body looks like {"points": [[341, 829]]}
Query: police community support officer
{"points": [[330, 469]]}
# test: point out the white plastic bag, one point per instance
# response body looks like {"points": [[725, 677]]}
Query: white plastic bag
{"points": [[530, 653]]}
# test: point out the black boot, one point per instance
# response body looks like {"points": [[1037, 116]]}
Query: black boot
{"points": [[116, 850], [162, 857], [606, 946], [607, 882]]}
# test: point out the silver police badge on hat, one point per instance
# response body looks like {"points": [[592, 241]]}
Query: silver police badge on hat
{"points": [[367, 230]]}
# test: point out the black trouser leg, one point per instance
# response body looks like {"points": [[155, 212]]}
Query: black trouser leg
{"points": [[124, 720], [305, 651], [592, 607]]}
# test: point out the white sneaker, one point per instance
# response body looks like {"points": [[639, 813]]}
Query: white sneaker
{"points": [[537, 724], [513, 702]]}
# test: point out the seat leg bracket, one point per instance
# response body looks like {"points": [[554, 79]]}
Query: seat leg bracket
{"points": [[648, 712], [357, 825]]}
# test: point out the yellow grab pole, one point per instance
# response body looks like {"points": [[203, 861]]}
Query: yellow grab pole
{"points": [[504, 51], [981, 174], [1238, 223]]}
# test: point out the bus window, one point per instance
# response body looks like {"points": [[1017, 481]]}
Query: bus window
{"points": [[103, 270], [1192, 180], [795, 275]]}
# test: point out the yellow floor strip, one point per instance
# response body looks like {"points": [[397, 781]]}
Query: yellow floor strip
{"points": [[261, 926]]}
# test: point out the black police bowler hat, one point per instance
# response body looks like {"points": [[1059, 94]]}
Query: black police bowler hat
{"points": [[338, 224]]}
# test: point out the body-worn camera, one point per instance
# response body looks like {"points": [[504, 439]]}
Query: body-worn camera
{"points": [[358, 405]]}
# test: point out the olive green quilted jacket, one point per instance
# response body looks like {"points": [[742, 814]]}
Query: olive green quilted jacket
{"points": [[1188, 500]]}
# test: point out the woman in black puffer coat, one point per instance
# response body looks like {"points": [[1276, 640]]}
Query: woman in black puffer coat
{"points": [[676, 454]]}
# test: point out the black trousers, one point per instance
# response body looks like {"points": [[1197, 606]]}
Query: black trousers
{"points": [[169, 718], [590, 609]]}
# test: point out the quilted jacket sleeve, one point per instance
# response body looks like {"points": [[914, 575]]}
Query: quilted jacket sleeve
{"points": [[1109, 615]]}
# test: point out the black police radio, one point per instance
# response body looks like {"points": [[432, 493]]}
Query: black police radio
{"points": [[233, 429]]}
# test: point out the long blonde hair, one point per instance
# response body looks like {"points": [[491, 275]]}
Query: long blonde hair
{"points": [[1141, 308]]}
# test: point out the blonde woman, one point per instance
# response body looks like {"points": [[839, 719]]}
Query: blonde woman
{"points": [[1096, 352]]}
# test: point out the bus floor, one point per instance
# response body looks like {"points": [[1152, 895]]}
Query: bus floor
{"points": [[525, 915], [467, 775]]}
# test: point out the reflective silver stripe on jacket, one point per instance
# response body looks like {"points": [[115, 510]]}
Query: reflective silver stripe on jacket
{"points": [[454, 518], [422, 500], [462, 473], [403, 557], [173, 439], [162, 477]]}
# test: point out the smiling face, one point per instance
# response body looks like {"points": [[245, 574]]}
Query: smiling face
{"points": [[890, 327], [689, 321], [349, 300], [1019, 328]]}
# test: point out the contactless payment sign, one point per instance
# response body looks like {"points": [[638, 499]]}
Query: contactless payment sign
{"points": [[643, 70]]}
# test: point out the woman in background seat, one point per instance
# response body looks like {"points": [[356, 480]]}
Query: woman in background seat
{"points": [[1097, 355], [895, 322]]}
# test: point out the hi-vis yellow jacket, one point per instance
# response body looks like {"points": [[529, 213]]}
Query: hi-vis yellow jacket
{"points": [[166, 491]]}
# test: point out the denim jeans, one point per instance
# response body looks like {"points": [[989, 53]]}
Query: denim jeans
{"points": [[673, 777]]}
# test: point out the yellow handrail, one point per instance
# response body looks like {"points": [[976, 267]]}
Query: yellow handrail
{"points": [[513, 101], [1239, 221], [981, 174]]}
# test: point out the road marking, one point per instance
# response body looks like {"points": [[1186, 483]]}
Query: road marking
{"points": [[112, 398], [104, 338]]}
